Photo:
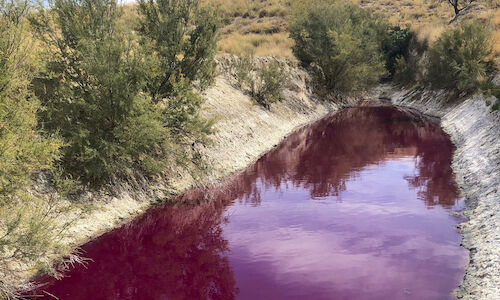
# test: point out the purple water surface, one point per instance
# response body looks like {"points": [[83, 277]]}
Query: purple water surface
{"points": [[355, 206]]}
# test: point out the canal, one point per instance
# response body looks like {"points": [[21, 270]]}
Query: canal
{"points": [[355, 206]]}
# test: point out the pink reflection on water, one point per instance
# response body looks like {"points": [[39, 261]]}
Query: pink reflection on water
{"points": [[354, 207]]}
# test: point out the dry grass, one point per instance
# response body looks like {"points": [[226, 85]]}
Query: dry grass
{"points": [[277, 44], [259, 26], [255, 27]]}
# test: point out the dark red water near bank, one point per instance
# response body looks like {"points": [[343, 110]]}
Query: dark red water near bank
{"points": [[355, 206]]}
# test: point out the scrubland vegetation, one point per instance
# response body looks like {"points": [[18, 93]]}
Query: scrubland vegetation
{"points": [[92, 91], [86, 98], [403, 40], [264, 83]]}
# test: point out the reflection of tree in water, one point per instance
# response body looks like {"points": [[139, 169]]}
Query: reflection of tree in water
{"points": [[180, 253], [322, 157], [174, 253]]}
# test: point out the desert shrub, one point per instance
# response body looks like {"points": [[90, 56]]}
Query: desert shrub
{"points": [[92, 92], [341, 45], [23, 150], [243, 67], [395, 47], [183, 36], [269, 84], [264, 83], [26, 230], [187, 128], [180, 39], [489, 88], [458, 59], [404, 72]]}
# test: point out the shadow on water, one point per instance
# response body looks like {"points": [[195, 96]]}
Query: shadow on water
{"points": [[355, 206]]}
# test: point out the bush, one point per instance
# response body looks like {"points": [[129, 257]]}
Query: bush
{"points": [[23, 150], [341, 45], [179, 38], [458, 59], [243, 67], [404, 72], [395, 47], [489, 88], [270, 81], [265, 84], [183, 37], [92, 92], [26, 231]]}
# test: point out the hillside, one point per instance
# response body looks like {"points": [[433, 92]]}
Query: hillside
{"points": [[259, 27]]}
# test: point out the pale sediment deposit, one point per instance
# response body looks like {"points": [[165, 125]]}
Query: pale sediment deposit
{"points": [[475, 131]]}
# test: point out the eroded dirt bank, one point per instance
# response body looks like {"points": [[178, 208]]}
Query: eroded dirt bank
{"points": [[476, 133]]}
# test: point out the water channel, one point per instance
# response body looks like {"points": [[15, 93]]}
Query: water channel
{"points": [[354, 206]]}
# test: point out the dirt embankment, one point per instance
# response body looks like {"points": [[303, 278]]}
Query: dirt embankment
{"points": [[475, 131], [244, 131]]}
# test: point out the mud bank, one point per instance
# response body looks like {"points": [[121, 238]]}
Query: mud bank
{"points": [[475, 131], [244, 132]]}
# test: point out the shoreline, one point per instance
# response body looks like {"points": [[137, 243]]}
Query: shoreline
{"points": [[246, 131], [475, 132]]}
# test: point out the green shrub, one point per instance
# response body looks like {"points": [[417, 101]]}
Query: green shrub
{"points": [[264, 84], [395, 46], [404, 72], [489, 88], [269, 84], [183, 36], [458, 59], [23, 150], [26, 232], [341, 45], [187, 128], [92, 92], [179, 38], [243, 67]]}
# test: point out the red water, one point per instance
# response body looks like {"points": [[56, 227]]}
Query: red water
{"points": [[356, 206]]}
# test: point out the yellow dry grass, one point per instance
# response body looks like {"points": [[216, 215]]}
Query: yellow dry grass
{"points": [[259, 26], [256, 27], [277, 44]]}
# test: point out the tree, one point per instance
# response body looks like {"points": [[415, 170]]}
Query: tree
{"points": [[23, 149], [180, 38], [25, 229], [183, 36], [341, 45], [459, 58], [395, 47], [92, 92], [459, 5]]}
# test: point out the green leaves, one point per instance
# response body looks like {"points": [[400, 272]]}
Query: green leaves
{"points": [[341, 45], [458, 59], [183, 37], [264, 81], [122, 99], [395, 46], [93, 92], [23, 150]]}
